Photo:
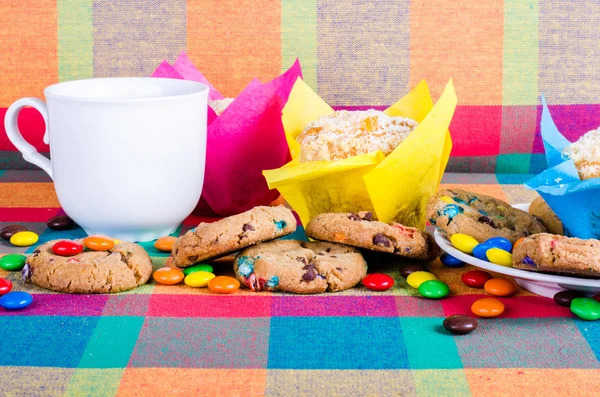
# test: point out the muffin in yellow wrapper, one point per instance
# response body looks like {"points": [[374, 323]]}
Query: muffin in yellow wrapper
{"points": [[394, 188]]}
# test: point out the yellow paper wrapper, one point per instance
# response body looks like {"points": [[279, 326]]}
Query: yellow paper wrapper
{"points": [[394, 188]]}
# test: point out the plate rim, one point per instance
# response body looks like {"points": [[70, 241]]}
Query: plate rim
{"points": [[447, 247]]}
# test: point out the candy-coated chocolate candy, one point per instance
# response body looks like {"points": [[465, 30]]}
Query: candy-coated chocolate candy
{"points": [[98, 243], [447, 200], [564, 298], [480, 251], [67, 248], [499, 242], [499, 287], [198, 279], [15, 300], [487, 307], [168, 275], [499, 257], [586, 308], [24, 239], [5, 286], [434, 289], [378, 282], [12, 262], [199, 267], [165, 244], [7, 231], [463, 243], [61, 222], [223, 285], [519, 241], [117, 241], [459, 324], [451, 261], [409, 268], [476, 278], [417, 278]]}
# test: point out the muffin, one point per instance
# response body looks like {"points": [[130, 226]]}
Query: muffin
{"points": [[585, 153], [344, 134]]}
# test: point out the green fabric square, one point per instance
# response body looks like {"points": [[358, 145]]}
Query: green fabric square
{"points": [[112, 342], [94, 382], [515, 163], [428, 345], [442, 382]]}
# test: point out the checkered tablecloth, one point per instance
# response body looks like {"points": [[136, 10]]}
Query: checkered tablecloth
{"points": [[175, 340]]}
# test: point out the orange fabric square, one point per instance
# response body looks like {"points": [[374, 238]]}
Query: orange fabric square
{"points": [[192, 382], [234, 41], [28, 48], [28, 194], [460, 39]]}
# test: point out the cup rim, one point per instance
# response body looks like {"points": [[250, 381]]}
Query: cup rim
{"points": [[200, 88]]}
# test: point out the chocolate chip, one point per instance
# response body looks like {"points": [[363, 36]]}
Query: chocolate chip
{"points": [[368, 216], [328, 250], [486, 220], [193, 258], [176, 251], [407, 249], [308, 266], [60, 223], [301, 259], [381, 240], [354, 217], [7, 232], [333, 256], [339, 269], [247, 227], [320, 253], [36, 253], [309, 275]]}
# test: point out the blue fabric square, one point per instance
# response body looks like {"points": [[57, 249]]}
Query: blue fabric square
{"points": [[44, 341], [429, 345], [336, 343], [591, 332]]}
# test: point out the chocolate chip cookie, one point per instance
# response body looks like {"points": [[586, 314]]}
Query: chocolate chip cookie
{"points": [[212, 240], [482, 217], [542, 211], [299, 267], [558, 254], [124, 267], [361, 230]]}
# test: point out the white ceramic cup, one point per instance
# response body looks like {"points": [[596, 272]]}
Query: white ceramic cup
{"points": [[127, 154]]}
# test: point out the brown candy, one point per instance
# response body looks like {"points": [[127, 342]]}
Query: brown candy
{"points": [[60, 223], [409, 268], [564, 298], [459, 324], [7, 231]]}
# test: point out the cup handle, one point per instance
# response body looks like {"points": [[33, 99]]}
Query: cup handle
{"points": [[12, 131]]}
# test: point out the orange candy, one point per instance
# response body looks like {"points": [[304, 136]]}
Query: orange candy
{"points": [[223, 285], [165, 244], [487, 307], [98, 243], [499, 287], [519, 241], [168, 275]]}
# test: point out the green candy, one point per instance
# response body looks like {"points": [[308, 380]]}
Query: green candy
{"points": [[200, 267], [586, 308], [12, 262], [434, 289]]}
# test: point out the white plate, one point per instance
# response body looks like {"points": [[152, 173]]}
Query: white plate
{"points": [[538, 283]]}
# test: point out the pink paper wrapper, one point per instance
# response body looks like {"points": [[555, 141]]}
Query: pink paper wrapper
{"points": [[245, 139]]}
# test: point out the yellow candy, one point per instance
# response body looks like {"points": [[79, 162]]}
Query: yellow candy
{"points": [[198, 279], [463, 243], [447, 200], [117, 241], [499, 257], [415, 279], [24, 239]]}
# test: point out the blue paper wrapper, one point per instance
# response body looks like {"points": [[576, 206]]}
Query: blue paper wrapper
{"points": [[575, 202]]}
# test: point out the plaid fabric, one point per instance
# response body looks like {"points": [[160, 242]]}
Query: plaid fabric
{"points": [[355, 54], [161, 340]]}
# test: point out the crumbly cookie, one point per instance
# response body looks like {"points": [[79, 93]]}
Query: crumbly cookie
{"points": [[541, 210], [212, 240], [344, 133], [480, 216], [124, 267], [300, 267], [558, 254], [585, 153], [360, 230]]}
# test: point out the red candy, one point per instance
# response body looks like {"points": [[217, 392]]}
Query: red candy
{"points": [[378, 282], [5, 286], [596, 297], [67, 248], [476, 278]]}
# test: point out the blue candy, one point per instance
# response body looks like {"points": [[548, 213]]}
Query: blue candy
{"points": [[480, 250], [451, 261], [16, 300], [499, 242]]}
